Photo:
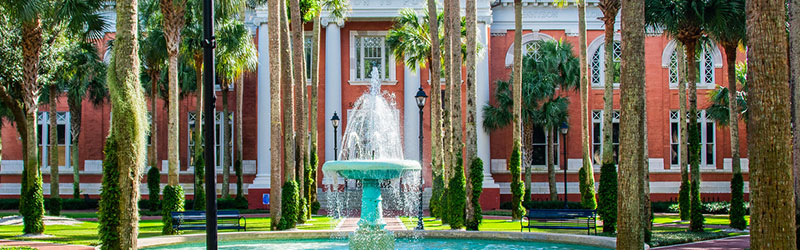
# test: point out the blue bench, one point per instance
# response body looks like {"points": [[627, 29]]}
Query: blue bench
{"points": [[561, 219], [196, 220]]}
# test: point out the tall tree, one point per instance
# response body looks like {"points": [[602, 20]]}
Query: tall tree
{"points": [[769, 135], [289, 203], [300, 98], [586, 174], [447, 121], [153, 61], [125, 146], [471, 139], [192, 49], [516, 93], [727, 27], [457, 123], [794, 70], [436, 103], [33, 19], [607, 208], [632, 81], [684, 199], [685, 21], [275, 49]]}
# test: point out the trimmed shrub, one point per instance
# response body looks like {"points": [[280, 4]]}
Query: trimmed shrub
{"points": [[436, 196], [173, 202], [696, 224], [607, 205], [109, 211], [54, 206], [315, 206], [237, 167], [517, 187], [288, 205], [737, 202], [586, 179], [311, 182], [153, 187], [199, 177], [302, 210], [476, 179], [684, 202], [457, 199], [443, 206]]}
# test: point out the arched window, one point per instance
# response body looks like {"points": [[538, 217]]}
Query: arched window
{"points": [[707, 60], [598, 66], [530, 47]]}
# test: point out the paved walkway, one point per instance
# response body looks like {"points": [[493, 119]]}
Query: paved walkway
{"points": [[738, 242], [43, 245]]}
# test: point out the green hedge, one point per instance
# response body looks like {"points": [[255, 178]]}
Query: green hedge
{"points": [[517, 186], [153, 187], [436, 193], [607, 205], [586, 184], [476, 179], [737, 207], [289, 205], [109, 209], [457, 198], [53, 206], [684, 204], [173, 202]]}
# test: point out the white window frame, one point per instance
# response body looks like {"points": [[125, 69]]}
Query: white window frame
{"points": [[706, 69], [557, 154], [43, 122], [218, 126], [386, 54], [597, 119], [597, 64], [705, 123], [307, 50]]}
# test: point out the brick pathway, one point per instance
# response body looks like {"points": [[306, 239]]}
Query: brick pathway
{"points": [[738, 242], [43, 245]]}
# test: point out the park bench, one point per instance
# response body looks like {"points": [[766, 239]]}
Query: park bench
{"points": [[196, 220], [561, 219]]}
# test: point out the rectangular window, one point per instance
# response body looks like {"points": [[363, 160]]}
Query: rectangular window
{"points": [[62, 133], [536, 139], [368, 52], [706, 127], [597, 136], [307, 49], [218, 136]]}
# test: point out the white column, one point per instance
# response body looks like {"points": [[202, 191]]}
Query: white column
{"points": [[263, 159], [410, 114], [333, 85], [483, 99]]}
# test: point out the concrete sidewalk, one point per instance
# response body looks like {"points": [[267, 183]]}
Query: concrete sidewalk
{"points": [[42, 245], [738, 242]]}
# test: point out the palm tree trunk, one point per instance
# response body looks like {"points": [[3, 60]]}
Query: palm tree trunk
{"points": [[551, 167], [315, 37], [794, 59], [632, 82], [683, 150], [225, 144], [153, 120], [199, 144], [288, 99], [610, 9], [300, 97], [472, 135], [447, 154], [53, 148], [75, 107], [237, 129], [173, 23], [516, 89], [455, 94], [737, 186], [769, 137], [644, 181], [436, 87], [127, 136], [274, 25], [587, 173], [694, 137], [31, 203], [527, 134]]}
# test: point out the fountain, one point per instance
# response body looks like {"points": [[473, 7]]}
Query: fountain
{"points": [[371, 152]]}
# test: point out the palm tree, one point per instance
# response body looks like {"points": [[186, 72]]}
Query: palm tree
{"points": [[125, 145], [610, 8], [236, 54], [632, 75], [154, 59], [727, 27], [685, 21], [173, 21], [471, 133], [794, 58], [436, 106], [35, 18], [287, 91], [769, 141], [586, 172], [275, 47], [516, 93], [300, 98]]}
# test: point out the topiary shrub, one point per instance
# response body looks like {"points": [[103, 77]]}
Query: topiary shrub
{"points": [[457, 198], [476, 180], [315, 206], [696, 224], [54, 206], [237, 168], [684, 200], [737, 202], [199, 177], [173, 202], [153, 187], [517, 187], [444, 205], [586, 180], [302, 210], [109, 211], [289, 204], [607, 205], [311, 182], [434, 205]]}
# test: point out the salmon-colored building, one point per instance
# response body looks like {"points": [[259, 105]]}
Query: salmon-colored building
{"points": [[349, 49]]}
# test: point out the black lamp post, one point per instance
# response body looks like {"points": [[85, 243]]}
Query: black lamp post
{"points": [[564, 129], [335, 123], [209, 43], [421, 104]]}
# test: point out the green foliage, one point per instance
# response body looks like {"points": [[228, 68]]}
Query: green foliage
{"points": [[607, 205], [443, 205], [315, 206], [457, 197], [110, 211], [55, 206], [289, 202], [436, 195], [237, 167], [684, 203], [32, 203], [199, 177], [302, 212], [737, 202], [516, 183], [586, 178], [697, 208], [476, 179], [694, 163], [173, 202], [153, 187], [311, 182]]}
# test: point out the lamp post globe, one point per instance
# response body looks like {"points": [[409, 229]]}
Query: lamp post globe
{"points": [[420, 97]]}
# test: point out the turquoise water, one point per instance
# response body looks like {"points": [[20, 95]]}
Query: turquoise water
{"points": [[415, 244]]}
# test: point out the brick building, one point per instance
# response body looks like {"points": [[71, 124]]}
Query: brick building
{"points": [[346, 47]]}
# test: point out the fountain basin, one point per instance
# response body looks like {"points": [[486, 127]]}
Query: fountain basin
{"points": [[371, 169]]}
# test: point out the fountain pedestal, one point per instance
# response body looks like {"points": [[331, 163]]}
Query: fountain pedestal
{"points": [[371, 206]]}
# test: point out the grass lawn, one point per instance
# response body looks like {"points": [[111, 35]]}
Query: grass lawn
{"points": [[710, 219]]}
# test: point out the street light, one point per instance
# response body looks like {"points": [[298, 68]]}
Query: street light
{"points": [[209, 43], [335, 122], [421, 104], [564, 129]]}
